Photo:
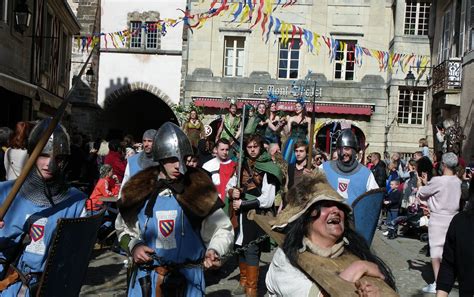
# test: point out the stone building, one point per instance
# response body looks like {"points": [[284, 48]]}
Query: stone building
{"points": [[86, 113], [452, 43], [231, 60], [35, 58], [139, 78]]}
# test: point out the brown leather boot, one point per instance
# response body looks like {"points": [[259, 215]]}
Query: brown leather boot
{"points": [[240, 290], [252, 281]]}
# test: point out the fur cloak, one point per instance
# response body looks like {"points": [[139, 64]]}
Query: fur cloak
{"points": [[195, 193]]}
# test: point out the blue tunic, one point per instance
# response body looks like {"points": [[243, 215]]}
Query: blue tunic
{"points": [[349, 185], [133, 165], [170, 234], [41, 222]]}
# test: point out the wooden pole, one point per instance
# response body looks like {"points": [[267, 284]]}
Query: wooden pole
{"points": [[324, 271], [40, 145]]}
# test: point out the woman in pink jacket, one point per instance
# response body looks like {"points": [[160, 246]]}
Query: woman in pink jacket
{"points": [[442, 194]]}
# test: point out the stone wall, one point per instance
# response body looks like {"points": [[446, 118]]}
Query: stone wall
{"points": [[85, 111]]}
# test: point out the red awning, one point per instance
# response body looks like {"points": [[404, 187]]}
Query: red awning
{"points": [[321, 107]]}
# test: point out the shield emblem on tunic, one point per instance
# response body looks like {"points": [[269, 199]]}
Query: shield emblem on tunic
{"points": [[342, 186], [36, 232], [166, 227]]}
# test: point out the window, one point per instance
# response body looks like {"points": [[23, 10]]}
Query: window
{"points": [[289, 59], [136, 30], [63, 65], [444, 52], [3, 11], [471, 27], [151, 35], [462, 29], [145, 35], [417, 14], [234, 56], [47, 41], [411, 105], [345, 60]]}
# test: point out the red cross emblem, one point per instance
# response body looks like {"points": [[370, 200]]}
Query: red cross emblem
{"points": [[166, 227], [36, 232]]}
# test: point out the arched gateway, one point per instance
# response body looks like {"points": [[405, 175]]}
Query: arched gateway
{"points": [[134, 108]]}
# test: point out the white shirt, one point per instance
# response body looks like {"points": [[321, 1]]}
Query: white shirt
{"points": [[283, 279], [14, 162]]}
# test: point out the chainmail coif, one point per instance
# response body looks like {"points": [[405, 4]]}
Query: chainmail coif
{"points": [[43, 193]]}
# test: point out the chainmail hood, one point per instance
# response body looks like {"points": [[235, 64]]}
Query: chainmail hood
{"points": [[146, 160], [43, 193]]}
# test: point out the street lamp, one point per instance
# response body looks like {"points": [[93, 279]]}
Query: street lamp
{"points": [[22, 17], [90, 75], [410, 79]]}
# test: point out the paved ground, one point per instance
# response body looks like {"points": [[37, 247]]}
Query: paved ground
{"points": [[405, 256]]}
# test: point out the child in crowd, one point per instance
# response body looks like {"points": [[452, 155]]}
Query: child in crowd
{"points": [[392, 174], [107, 186], [424, 147], [392, 204]]}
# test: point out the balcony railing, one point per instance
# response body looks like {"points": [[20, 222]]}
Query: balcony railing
{"points": [[447, 77]]}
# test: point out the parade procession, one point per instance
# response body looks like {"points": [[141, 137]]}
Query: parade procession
{"points": [[236, 148]]}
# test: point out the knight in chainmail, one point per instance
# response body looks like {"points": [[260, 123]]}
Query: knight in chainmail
{"points": [[30, 222], [346, 175], [143, 159], [172, 222], [135, 164]]}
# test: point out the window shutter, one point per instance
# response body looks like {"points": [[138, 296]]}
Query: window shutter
{"points": [[471, 19]]}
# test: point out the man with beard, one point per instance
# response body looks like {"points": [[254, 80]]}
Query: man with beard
{"points": [[222, 170], [173, 222], [261, 179], [135, 164], [27, 229], [143, 159], [346, 175]]}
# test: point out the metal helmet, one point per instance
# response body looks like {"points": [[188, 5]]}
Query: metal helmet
{"points": [[57, 146], [170, 141], [347, 139]]}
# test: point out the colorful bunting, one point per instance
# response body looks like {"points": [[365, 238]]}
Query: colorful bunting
{"points": [[244, 11]]}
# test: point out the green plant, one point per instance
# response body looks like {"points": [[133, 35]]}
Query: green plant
{"points": [[182, 111]]}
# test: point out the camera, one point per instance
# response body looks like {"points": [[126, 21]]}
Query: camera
{"points": [[468, 170]]}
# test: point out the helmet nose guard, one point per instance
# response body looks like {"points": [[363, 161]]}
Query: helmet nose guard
{"points": [[170, 141]]}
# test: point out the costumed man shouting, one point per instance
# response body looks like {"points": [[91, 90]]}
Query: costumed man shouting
{"points": [[261, 179], [27, 229], [174, 223]]}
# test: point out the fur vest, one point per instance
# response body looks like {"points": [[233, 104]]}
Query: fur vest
{"points": [[195, 193]]}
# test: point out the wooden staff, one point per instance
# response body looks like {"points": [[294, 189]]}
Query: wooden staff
{"points": [[40, 145], [311, 132], [322, 270]]}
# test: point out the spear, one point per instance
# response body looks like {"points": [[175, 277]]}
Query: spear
{"points": [[311, 132], [41, 144]]}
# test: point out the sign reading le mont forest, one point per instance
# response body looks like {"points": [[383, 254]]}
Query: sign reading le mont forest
{"points": [[285, 91]]}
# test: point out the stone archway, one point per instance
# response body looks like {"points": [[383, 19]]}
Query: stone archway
{"points": [[327, 134], [134, 108]]}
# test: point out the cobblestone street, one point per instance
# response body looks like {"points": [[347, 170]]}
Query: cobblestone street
{"points": [[405, 256]]}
